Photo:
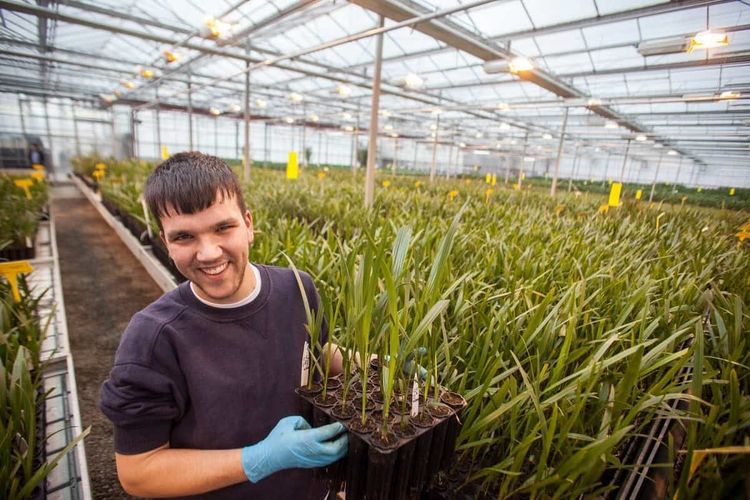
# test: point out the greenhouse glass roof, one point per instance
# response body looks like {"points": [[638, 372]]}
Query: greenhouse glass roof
{"points": [[626, 72]]}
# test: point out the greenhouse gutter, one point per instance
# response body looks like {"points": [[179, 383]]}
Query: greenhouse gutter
{"points": [[70, 478]]}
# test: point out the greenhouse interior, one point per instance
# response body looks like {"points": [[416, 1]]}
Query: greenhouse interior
{"points": [[477, 249]]}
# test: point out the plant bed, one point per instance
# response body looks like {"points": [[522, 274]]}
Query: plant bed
{"points": [[397, 460], [17, 252]]}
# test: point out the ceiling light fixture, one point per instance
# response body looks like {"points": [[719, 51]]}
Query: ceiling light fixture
{"points": [[343, 90], [235, 108], [214, 111], [663, 46], [170, 56], [520, 64], [729, 94], [594, 102], [708, 40], [289, 120], [547, 136], [672, 152], [640, 137], [295, 97], [261, 103], [503, 106], [314, 118], [127, 84]]}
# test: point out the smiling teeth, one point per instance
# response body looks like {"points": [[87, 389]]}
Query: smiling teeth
{"points": [[215, 270]]}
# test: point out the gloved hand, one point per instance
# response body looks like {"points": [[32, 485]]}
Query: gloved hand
{"points": [[292, 443], [408, 368]]}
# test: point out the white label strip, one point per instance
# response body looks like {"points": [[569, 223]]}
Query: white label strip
{"points": [[415, 397], [305, 365]]}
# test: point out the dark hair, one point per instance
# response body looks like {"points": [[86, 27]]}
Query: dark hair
{"points": [[187, 183]]}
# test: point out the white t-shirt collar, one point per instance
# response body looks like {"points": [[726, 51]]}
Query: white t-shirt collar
{"points": [[255, 292]]}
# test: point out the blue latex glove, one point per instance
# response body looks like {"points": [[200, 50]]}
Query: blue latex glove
{"points": [[409, 364], [292, 443]]}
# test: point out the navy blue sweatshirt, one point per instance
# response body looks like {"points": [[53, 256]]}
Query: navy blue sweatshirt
{"points": [[201, 377]]}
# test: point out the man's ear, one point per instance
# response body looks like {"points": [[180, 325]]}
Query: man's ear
{"points": [[249, 223]]}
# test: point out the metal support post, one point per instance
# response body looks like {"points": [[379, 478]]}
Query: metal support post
{"points": [[553, 189], [158, 123], [190, 110], [246, 161], [606, 168], [372, 147], [624, 161], [49, 156], [75, 127], [656, 176], [433, 167], [114, 132], [677, 175]]}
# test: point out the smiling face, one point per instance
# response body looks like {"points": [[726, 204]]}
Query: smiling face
{"points": [[210, 248]]}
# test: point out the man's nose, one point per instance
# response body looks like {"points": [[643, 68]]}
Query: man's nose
{"points": [[209, 250]]}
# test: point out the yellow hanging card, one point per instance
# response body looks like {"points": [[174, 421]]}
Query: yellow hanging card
{"points": [[38, 176], [614, 194], [488, 178], [164, 153], [25, 184], [638, 194], [37, 166], [494, 180], [731, 192], [101, 166], [98, 174], [292, 168], [11, 270]]}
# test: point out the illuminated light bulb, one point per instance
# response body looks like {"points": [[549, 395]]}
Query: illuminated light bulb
{"points": [[147, 73], [413, 81], [235, 108], [672, 152], [108, 98], [708, 40], [295, 97], [547, 136], [479, 135], [348, 128], [436, 111], [528, 158], [462, 144], [346, 116], [498, 145], [127, 84], [314, 118], [433, 127], [289, 120], [729, 94], [343, 90], [503, 106], [261, 103], [214, 28], [640, 137], [170, 56], [433, 135], [520, 64], [594, 102], [386, 113], [214, 111], [394, 136], [388, 126], [504, 126]]}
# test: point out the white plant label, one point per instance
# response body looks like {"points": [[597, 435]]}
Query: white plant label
{"points": [[305, 365], [415, 397]]}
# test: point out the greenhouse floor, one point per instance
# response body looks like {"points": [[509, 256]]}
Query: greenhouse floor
{"points": [[103, 285]]}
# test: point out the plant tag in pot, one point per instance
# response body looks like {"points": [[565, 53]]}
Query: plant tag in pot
{"points": [[305, 365], [415, 397]]}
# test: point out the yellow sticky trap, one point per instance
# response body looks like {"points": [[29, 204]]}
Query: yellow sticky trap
{"points": [[98, 174], [292, 167], [25, 184], [603, 209], [37, 166], [731, 192], [38, 176], [699, 190], [614, 194], [488, 178], [743, 235], [494, 180], [638, 194], [487, 193], [101, 166], [321, 175], [417, 184], [386, 183], [523, 176], [452, 195], [164, 153], [11, 270]]}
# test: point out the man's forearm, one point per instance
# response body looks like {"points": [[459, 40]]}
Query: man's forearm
{"points": [[167, 472]]}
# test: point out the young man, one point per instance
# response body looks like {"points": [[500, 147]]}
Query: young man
{"points": [[202, 391]]}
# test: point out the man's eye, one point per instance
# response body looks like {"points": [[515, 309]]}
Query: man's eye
{"points": [[182, 237], [225, 228]]}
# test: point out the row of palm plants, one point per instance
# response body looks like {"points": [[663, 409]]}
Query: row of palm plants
{"points": [[566, 329]]}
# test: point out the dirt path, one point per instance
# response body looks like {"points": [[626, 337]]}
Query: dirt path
{"points": [[103, 285]]}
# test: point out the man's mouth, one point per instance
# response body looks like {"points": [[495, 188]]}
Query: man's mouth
{"points": [[213, 271]]}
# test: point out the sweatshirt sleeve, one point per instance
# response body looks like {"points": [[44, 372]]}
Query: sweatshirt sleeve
{"points": [[144, 393]]}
